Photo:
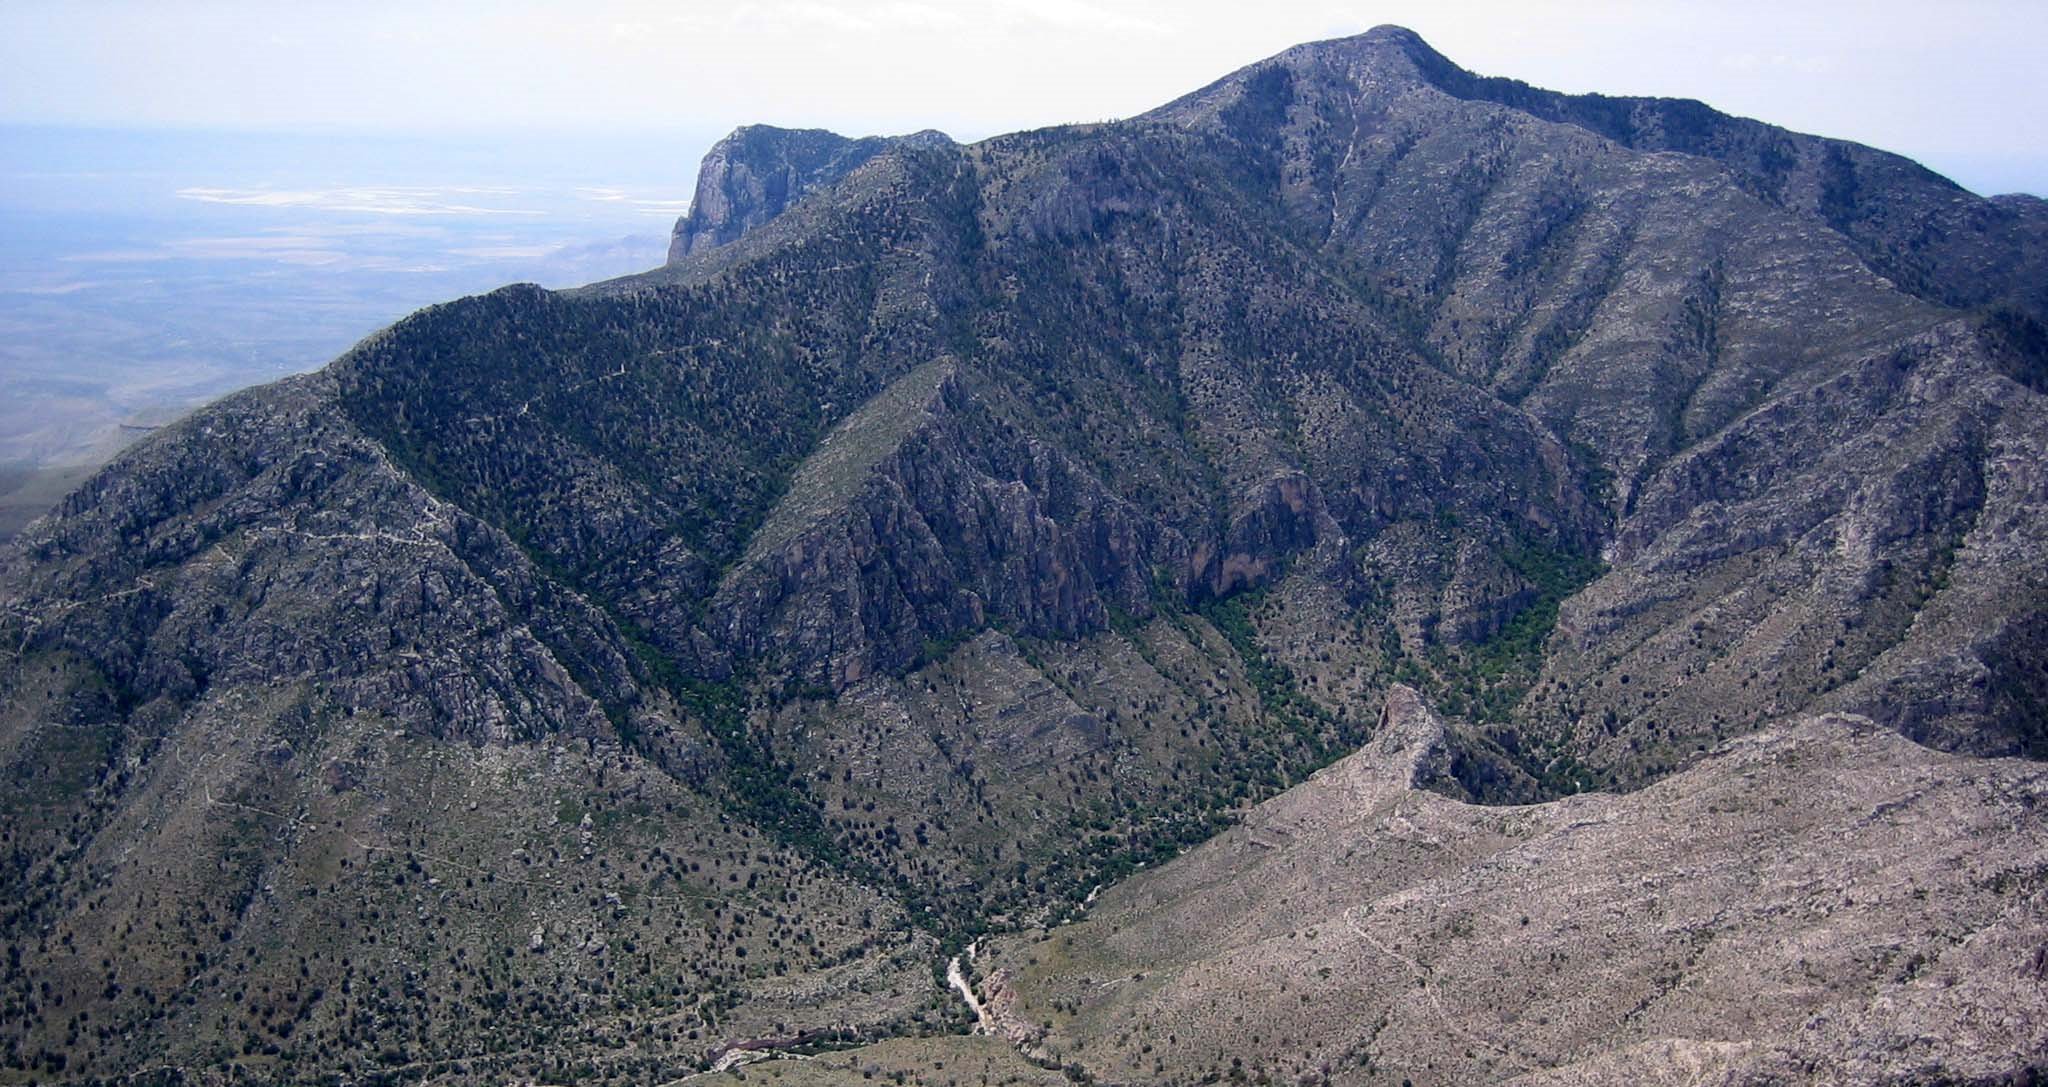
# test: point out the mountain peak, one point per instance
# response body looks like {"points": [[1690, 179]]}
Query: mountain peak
{"points": [[755, 174], [1387, 56], [1386, 43], [1389, 34]]}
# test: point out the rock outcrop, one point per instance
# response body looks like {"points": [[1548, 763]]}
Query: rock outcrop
{"points": [[756, 173]]}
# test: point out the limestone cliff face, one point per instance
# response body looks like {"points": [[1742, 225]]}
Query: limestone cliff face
{"points": [[949, 520], [756, 173]]}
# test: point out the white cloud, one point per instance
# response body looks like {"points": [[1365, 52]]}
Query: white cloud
{"points": [[502, 252], [606, 194], [665, 207], [368, 200], [1804, 63], [1085, 15], [283, 249], [387, 228], [801, 16], [53, 289], [919, 15]]}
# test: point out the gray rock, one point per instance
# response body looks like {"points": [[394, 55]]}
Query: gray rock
{"points": [[757, 172]]}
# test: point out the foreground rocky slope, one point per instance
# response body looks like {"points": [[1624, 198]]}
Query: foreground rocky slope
{"points": [[1820, 902], [693, 661]]}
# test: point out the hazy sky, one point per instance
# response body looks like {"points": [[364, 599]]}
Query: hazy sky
{"points": [[1960, 85]]}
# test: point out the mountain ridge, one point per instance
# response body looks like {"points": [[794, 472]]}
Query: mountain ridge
{"points": [[971, 526], [1773, 163]]}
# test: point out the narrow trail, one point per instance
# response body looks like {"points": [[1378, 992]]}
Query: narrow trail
{"points": [[428, 533], [1427, 977], [33, 621], [526, 406], [293, 822]]}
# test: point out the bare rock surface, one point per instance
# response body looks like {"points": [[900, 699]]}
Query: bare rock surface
{"points": [[1822, 901], [757, 172]]}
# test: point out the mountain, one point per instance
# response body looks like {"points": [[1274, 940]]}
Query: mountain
{"points": [[608, 683]]}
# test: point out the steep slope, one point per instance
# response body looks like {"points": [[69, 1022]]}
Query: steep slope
{"points": [[1358, 929], [954, 528], [1660, 318], [328, 790], [1921, 231]]}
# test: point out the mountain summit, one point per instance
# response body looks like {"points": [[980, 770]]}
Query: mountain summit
{"points": [[614, 683], [757, 172]]}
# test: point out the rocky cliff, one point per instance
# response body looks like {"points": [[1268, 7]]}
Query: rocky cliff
{"points": [[756, 173]]}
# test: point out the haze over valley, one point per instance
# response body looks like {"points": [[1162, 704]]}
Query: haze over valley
{"points": [[145, 272]]}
